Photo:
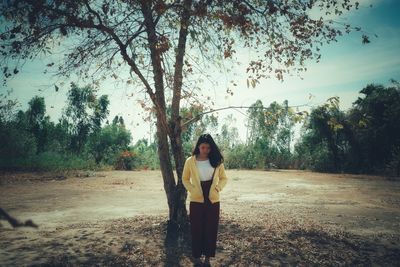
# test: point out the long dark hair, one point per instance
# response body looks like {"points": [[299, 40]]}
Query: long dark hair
{"points": [[215, 155]]}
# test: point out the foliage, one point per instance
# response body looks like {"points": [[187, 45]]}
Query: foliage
{"points": [[84, 114], [30, 141], [125, 160], [364, 139], [105, 144], [146, 155]]}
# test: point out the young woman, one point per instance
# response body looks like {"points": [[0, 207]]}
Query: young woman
{"points": [[207, 172]]}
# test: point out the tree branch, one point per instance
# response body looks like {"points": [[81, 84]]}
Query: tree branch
{"points": [[213, 110]]}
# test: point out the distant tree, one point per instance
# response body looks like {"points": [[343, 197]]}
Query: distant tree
{"points": [[118, 120], [106, 143], [229, 136], [270, 131], [375, 118], [37, 122], [83, 114], [7, 107], [363, 139], [323, 137]]}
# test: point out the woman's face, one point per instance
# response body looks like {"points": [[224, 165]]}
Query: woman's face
{"points": [[204, 149]]}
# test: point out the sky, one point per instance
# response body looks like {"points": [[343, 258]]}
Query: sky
{"points": [[344, 69]]}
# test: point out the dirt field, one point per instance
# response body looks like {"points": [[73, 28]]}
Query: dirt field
{"points": [[268, 218]]}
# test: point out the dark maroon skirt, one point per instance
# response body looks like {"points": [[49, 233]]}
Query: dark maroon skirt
{"points": [[204, 220]]}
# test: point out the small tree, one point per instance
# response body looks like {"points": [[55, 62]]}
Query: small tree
{"points": [[84, 114]]}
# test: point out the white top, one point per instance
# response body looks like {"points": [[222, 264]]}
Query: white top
{"points": [[205, 169]]}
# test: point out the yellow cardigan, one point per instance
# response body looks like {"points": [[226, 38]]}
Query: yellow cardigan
{"points": [[194, 188]]}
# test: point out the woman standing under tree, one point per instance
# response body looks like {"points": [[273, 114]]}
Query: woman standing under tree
{"points": [[206, 168]]}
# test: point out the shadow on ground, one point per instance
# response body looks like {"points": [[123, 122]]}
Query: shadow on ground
{"points": [[141, 241]]}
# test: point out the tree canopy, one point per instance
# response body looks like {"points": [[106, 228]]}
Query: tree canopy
{"points": [[104, 36]]}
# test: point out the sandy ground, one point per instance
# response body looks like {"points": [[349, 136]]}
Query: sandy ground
{"points": [[268, 218]]}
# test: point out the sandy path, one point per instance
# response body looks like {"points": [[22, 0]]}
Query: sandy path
{"points": [[107, 195]]}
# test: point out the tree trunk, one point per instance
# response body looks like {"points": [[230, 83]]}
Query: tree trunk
{"points": [[179, 213], [176, 194], [167, 174]]}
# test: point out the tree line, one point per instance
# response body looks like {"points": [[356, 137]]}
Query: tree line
{"points": [[362, 139], [82, 138]]}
